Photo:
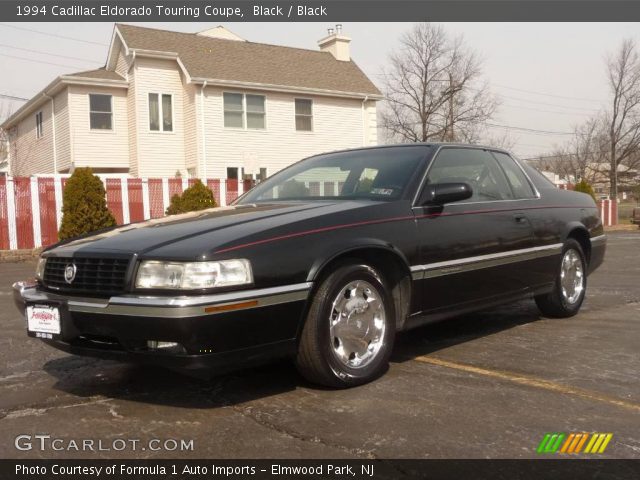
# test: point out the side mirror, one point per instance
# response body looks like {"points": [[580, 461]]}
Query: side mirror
{"points": [[441, 193]]}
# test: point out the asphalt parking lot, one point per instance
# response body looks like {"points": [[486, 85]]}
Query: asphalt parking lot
{"points": [[487, 385]]}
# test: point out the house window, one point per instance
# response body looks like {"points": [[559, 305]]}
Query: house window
{"points": [[100, 112], [304, 115], [39, 129], [232, 173], [255, 111], [244, 111], [233, 110], [160, 112]]}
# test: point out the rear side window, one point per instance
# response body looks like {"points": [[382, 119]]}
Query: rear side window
{"points": [[517, 179], [540, 180], [478, 168]]}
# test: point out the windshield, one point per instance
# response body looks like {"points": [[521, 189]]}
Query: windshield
{"points": [[378, 174]]}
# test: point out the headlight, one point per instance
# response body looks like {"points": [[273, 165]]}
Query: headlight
{"points": [[40, 268], [194, 275]]}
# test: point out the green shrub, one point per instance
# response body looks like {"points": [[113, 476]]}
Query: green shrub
{"points": [[84, 207], [365, 185], [584, 187], [194, 198], [293, 189]]}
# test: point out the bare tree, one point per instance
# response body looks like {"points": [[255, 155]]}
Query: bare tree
{"points": [[623, 115], [483, 136], [589, 149], [582, 157], [433, 88], [586, 152]]}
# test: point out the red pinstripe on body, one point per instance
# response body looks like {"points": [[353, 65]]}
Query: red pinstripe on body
{"points": [[384, 220]]}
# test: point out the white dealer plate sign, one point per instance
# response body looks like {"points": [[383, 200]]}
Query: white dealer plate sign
{"points": [[43, 319]]}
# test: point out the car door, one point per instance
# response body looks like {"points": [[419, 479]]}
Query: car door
{"points": [[469, 250], [540, 269]]}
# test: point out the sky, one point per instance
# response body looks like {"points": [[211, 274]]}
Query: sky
{"points": [[548, 76]]}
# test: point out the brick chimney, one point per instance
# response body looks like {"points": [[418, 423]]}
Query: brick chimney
{"points": [[336, 44]]}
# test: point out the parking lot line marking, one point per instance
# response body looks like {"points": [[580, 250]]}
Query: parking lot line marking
{"points": [[531, 382]]}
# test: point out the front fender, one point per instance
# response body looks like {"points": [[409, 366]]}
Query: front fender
{"points": [[353, 246]]}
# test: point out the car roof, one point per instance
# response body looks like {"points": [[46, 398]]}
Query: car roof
{"points": [[418, 144]]}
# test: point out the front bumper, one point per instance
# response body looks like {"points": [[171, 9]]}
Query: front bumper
{"points": [[221, 331]]}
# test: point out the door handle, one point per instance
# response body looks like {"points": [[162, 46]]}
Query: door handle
{"points": [[520, 217]]}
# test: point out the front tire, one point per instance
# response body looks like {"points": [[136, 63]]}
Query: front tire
{"points": [[350, 328], [570, 284]]}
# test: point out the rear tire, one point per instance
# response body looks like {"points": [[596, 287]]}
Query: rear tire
{"points": [[350, 328], [570, 284]]}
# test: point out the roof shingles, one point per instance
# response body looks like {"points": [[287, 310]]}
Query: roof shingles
{"points": [[100, 73], [232, 60]]}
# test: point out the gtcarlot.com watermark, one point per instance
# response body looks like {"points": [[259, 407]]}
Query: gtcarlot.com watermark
{"points": [[44, 443]]}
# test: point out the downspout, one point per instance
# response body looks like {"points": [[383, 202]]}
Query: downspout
{"points": [[53, 130], [364, 129], [204, 135]]}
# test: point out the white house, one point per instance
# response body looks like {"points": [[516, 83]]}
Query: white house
{"points": [[206, 104]]}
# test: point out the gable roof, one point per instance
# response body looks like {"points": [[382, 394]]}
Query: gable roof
{"points": [[208, 58]]}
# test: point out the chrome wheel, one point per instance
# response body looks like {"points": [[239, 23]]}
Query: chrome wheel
{"points": [[571, 276], [357, 324]]}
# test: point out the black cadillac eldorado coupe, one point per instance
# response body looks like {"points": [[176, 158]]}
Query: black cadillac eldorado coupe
{"points": [[323, 262]]}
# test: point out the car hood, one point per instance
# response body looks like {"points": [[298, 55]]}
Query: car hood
{"points": [[200, 232]]}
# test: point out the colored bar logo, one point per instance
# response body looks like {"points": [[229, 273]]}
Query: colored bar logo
{"points": [[568, 443]]}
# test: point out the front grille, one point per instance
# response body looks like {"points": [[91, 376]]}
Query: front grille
{"points": [[101, 277]]}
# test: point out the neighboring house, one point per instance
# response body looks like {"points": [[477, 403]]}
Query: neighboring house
{"points": [[556, 179], [205, 104], [599, 172]]}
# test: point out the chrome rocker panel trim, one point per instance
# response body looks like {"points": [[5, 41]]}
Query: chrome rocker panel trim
{"points": [[438, 269], [171, 307]]}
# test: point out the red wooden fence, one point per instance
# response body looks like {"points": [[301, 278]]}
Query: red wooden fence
{"points": [[31, 207]]}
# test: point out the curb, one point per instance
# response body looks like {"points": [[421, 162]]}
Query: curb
{"points": [[19, 255]]}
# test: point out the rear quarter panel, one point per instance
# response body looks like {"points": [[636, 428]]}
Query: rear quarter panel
{"points": [[557, 215]]}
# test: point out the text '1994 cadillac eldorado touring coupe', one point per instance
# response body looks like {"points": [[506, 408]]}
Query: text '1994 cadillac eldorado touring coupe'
{"points": [[323, 262]]}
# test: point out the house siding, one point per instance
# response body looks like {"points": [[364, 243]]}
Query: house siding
{"points": [[191, 131], [370, 123], [30, 154], [63, 136], [160, 154], [99, 149], [122, 62], [337, 124]]}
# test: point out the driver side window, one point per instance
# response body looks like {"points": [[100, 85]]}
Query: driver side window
{"points": [[472, 166]]}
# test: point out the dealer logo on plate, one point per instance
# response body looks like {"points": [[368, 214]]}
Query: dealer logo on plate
{"points": [[70, 273]]}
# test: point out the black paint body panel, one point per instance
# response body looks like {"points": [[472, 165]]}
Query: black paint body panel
{"points": [[291, 242]]}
